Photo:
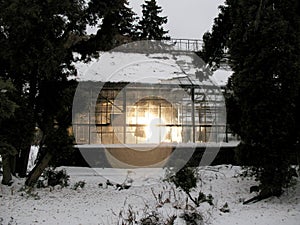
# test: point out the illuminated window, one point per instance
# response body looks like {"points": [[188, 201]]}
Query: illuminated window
{"points": [[153, 120]]}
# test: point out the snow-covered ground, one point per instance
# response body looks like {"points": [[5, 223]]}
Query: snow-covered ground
{"points": [[149, 192]]}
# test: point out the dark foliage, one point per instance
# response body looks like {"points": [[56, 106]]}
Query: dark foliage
{"points": [[118, 27], [262, 39], [38, 40], [151, 24], [185, 178], [51, 177]]}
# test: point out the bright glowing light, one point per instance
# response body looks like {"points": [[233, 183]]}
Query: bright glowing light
{"points": [[176, 134], [155, 130], [152, 128]]}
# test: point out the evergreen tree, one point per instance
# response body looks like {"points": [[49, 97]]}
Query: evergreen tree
{"points": [[38, 39], [118, 26], [7, 106], [7, 151], [34, 35], [7, 110], [151, 24], [263, 38], [215, 42]]}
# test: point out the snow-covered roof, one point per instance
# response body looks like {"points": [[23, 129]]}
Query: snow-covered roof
{"points": [[168, 67]]}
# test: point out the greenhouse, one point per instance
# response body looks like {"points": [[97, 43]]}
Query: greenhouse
{"points": [[148, 98]]}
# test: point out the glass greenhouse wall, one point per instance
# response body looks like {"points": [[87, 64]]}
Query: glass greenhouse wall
{"points": [[171, 112]]}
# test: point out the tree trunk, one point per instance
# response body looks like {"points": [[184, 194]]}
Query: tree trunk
{"points": [[38, 169], [25, 148], [23, 161]]}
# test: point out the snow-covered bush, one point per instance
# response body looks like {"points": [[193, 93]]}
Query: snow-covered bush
{"points": [[170, 206], [192, 218], [79, 184], [51, 177], [186, 179]]}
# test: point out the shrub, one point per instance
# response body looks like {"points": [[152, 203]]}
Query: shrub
{"points": [[51, 177], [79, 184]]}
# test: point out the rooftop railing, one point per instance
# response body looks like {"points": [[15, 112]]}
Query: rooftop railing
{"points": [[193, 45], [190, 45], [173, 44]]}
